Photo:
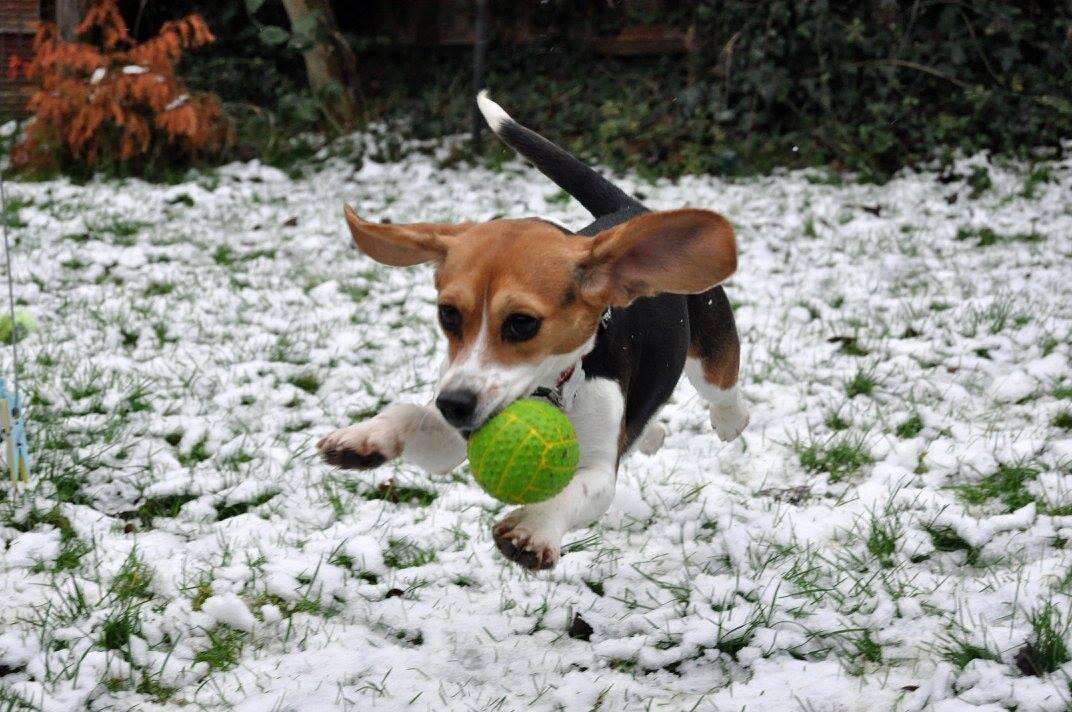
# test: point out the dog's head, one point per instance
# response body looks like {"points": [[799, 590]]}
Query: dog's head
{"points": [[520, 300]]}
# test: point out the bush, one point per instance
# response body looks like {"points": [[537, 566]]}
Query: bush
{"points": [[869, 86], [112, 103]]}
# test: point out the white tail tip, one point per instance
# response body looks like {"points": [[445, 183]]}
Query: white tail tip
{"points": [[493, 113]]}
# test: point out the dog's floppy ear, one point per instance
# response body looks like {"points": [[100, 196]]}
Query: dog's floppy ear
{"points": [[680, 251], [401, 245]]}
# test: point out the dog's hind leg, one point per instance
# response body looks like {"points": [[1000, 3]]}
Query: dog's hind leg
{"points": [[714, 360]]}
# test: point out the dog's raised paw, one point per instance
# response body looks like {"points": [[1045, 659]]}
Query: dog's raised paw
{"points": [[351, 460], [525, 545], [359, 447]]}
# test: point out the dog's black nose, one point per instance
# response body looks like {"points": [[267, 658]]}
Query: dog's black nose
{"points": [[457, 406]]}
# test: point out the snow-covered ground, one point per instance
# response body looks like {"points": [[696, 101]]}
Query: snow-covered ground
{"points": [[889, 533]]}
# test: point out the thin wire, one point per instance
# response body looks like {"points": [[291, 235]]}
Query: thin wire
{"points": [[10, 285]]}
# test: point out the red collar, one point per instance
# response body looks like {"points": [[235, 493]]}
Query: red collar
{"points": [[565, 376]]}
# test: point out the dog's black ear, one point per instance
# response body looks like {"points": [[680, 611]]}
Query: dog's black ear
{"points": [[679, 251], [402, 245]]}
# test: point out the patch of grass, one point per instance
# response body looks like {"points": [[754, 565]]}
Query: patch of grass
{"points": [[865, 648], [68, 486], [882, 539], [312, 607], [1045, 651], [198, 453], [1063, 420], [1009, 484], [945, 539], [560, 197], [342, 560], [404, 554], [734, 642], [159, 289], [392, 492], [153, 688], [201, 592], [223, 650], [909, 428], [958, 649], [122, 230], [235, 460], [850, 346], [224, 255], [166, 507], [137, 400], [979, 182], [306, 382], [835, 422], [1039, 175], [233, 510], [133, 580], [862, 384], [986, 237], [839, 457], [70, 556], [11, 217], [52, 517], [117, 628], [1063, 392]]}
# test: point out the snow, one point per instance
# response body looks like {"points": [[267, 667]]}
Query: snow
{"points": [[197, 339], [229, 609]]}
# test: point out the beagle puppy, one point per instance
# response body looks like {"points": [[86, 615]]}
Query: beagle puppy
{"points": [[601, 321]]}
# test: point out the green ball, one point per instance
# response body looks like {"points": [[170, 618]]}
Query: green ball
{"points": [[525, 454]]}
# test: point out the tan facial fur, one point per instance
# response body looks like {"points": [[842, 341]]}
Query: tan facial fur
{"points": [[506, 267]]}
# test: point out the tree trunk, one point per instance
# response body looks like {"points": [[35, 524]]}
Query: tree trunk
{"points": [[329, 62], [68, 15]]}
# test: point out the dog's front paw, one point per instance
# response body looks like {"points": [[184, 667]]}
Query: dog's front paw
{"points": [[361, 447], [525, 538]]}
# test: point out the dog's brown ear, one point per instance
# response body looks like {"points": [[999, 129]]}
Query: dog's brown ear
{"points": [[680, 251], [401, 245]]}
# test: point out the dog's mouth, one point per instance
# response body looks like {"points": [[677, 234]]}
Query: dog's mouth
{"points": [[467, 430]]}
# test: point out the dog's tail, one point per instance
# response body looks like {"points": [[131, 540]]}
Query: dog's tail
{"points": [[593, 191]]}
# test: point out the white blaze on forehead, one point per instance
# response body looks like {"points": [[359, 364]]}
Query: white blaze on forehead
{"points": [[497, 385]]}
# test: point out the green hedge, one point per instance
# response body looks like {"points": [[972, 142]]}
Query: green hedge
{"points": [[868, 86]]}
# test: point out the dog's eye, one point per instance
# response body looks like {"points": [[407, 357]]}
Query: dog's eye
{"points": [[520, 327], [450, 319]]}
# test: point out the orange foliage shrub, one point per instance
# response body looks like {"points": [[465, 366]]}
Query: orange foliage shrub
{"points": [[109, 99]]}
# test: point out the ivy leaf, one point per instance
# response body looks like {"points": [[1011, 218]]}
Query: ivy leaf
{"points": [[273, 36], [307, 24], [305, 32], [253, 5]]}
